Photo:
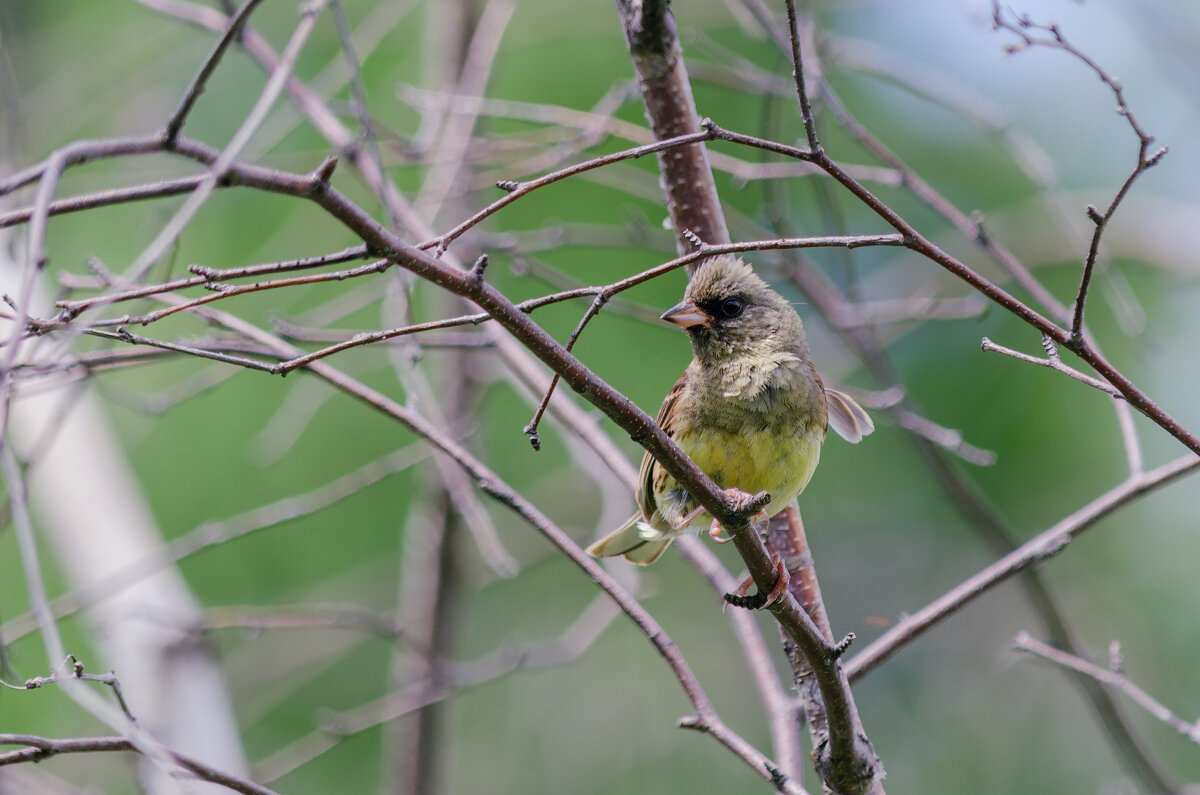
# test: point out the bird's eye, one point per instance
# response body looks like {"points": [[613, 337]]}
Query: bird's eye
{"points": [[731, 307]]}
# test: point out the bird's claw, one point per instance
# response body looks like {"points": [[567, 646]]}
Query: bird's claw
{"points": [[714, 532], [760, 601], [739, 501], [782, 581]]}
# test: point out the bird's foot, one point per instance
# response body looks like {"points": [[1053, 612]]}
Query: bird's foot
{"points": [[714, 532], [739, 501], [760, 601]]}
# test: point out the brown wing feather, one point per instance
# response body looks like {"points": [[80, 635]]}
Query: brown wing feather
{"points": [[651, 475]]}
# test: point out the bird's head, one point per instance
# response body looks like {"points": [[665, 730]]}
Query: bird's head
{"points": [[728, 310]]}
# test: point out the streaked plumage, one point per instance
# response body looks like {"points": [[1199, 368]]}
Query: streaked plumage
{"points": [[750, 409]]}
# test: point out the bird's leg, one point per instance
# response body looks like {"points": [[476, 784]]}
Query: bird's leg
{"points": [[759, 601], [679, 523], [739, 498]]}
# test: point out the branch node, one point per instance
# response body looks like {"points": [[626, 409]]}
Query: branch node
{"points": [[508, 185], [1156, 157], [535, 441], [319, 178], [1116, 660], [981, 233], [478, 268], [1095, 215], [842, 645]]}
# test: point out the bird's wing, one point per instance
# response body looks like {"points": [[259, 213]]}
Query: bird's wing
{"points": [[651, 475]]}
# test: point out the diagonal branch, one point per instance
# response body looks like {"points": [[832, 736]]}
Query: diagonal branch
{"points": [[1045, 545], [1114, 679]]}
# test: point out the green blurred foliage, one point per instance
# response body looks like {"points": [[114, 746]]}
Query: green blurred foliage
{"points": [[953, 712]]}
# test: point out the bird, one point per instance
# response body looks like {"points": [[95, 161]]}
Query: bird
{"points": [[750, 409]]}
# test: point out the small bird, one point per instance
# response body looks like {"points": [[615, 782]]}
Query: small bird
{"points": [[750, 409]]}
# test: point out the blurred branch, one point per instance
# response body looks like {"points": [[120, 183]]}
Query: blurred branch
{"points": [[52, 641], [783, 714], [1045, 545], [452, 677], [38, 748], [348, 616], [1113, 678], [211, 534], [270, 93]]}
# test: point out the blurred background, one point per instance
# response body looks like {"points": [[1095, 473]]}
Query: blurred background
{"points": [[311, 604]]}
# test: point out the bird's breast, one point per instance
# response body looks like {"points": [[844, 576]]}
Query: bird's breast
{"points": [[778, 460]]}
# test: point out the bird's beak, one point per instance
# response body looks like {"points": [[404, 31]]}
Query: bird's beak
{"points": [[685, 314]]}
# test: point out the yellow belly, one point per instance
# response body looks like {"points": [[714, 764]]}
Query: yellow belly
{"points": [[757, 461]]}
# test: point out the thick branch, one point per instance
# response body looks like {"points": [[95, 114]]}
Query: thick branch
{"points": [[671, 110]]}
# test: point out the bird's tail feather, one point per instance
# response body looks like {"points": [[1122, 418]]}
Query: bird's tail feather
{"points": [[630, 540]]}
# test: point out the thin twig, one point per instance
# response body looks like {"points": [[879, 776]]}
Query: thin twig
{"points": [[153, 190], [1054, 363], [262, 106], [1114, 679], [515, 190], [216, 533], [1145, 159], [1045, 545], [455, 676], [38, 748], [806, 111], [531, 430], [207, 67]]}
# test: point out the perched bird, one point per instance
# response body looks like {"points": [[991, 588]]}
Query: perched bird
{"points": [[750, 409]]}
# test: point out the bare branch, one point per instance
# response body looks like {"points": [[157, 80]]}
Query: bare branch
{"points": [[209, 65], [1112, 678], [657, 57], [1054, 363], [38, 748], [1145, 159], [1045, 545], [283, 70]]}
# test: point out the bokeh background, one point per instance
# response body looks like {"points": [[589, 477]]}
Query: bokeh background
{"points": [[956, 711]]}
